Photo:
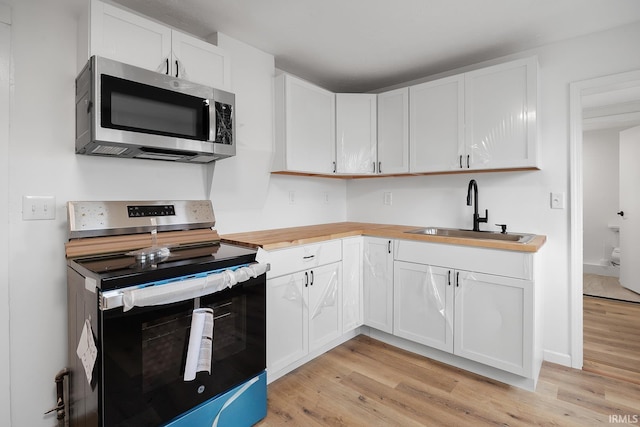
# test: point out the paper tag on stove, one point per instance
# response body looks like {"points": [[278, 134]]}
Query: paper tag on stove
{"points": [[90, 284], [87, 350]]}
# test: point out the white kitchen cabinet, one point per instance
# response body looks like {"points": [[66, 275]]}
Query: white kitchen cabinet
{"points": [[305, 127], [287, 321], [304, 301], [500, 115], [489, 311], [325, 304], [393, 131], [437, 125], [423, 304], [494, 321], [378, 283], [303, 313], [352, 283], [133, 39], [356, 133]]}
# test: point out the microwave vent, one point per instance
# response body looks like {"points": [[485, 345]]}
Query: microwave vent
{"points": [[108, 150]]}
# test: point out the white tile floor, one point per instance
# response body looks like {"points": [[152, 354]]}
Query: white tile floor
{"points": [[609, 287]]}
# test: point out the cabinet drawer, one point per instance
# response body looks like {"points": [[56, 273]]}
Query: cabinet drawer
{"points": [[290, 260], [481, 260]]}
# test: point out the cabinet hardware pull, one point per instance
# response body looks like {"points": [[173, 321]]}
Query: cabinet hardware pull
{"points": [[389, 246], [176, 68], [374, 167], [379, 167], [621, 213], [460, 159], [311, 278], [334, 167], [467, 161], [306, 279], [457, 279], [449, 278], [308, 257], [167, 73]]}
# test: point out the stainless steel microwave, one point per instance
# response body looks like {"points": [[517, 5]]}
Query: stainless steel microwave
{"points": [[131, 112]]}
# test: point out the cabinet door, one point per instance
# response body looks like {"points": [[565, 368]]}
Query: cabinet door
{"points": [[436, 111], [494, 321], [129, 38], [325, 304], [352, 279], [500, 115], [287, 321], [356, 133], [378, 284], [423, 304], [199, 61], [393, 131], [305, 127]]}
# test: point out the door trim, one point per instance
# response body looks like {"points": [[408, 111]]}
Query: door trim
{"points": [[577, 89]]}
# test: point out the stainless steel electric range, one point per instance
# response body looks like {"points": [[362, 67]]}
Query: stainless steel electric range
{"points": [[167, 326]]}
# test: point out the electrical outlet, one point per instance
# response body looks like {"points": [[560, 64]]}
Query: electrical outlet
{"points": [[387, 198], [38, 207], [292, 197], [557, 200], [325, 197]]}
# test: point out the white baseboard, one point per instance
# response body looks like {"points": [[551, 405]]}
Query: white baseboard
{"points": [[558, 358], [601, 270]]}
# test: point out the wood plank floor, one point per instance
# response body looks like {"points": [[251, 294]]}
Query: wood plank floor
{"points": [[612, 338], [365, 382]]}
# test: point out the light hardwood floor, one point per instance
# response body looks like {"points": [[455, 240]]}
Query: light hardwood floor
{"points": [[367, 383]]}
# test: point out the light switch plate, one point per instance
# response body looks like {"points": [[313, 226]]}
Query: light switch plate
{"points": [[38, 207]]}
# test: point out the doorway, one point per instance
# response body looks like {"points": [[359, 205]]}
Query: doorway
{"points": [[599, 92]]}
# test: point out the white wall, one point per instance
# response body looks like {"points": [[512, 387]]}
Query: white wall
{"points": [[5, 44], [42, 162], [601, 181], [520, 199]]}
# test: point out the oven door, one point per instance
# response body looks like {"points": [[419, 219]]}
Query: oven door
{"points": [[144, 354]]}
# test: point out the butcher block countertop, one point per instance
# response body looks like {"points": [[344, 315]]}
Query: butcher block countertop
{"points": [[294, 236]]}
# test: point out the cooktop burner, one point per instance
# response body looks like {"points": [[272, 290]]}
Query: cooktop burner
{"points": [[112, 271]]}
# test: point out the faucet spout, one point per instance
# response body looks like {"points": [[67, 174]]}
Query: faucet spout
{"points": [[477, 219]]}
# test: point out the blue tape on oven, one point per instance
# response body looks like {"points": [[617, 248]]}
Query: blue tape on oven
{"points": [[191, 276]]}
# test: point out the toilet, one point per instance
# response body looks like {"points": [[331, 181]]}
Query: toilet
{"points": [[615, 257]]}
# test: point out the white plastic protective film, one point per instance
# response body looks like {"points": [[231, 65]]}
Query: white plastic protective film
{"points": [[191, 288], [200, 349], [329, 295], [351, 294]]}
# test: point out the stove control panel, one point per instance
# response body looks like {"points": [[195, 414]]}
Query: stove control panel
{"points": [[108, 218], [137, 211]]}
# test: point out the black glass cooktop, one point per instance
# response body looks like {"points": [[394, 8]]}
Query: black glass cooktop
{"points": [[119, 270]]}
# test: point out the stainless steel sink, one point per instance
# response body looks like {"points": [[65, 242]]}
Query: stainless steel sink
{"points": [[470, 234]]}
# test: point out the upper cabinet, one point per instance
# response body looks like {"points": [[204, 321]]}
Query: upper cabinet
{"points": [[356, 133], [484, 119], [123, 36], [393, 131], [500, 116], [305, 127], [480, 120], [436, 124]]}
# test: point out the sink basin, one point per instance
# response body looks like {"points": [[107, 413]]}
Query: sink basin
{"points": [[470, 234]]}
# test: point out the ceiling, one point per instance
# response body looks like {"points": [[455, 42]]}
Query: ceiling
{"points": [[364, 45]]}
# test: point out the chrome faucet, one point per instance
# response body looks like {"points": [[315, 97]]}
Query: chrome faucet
{"points": [[476, 217]]}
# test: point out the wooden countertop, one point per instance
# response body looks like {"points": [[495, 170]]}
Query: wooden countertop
{"points": [[293, 236]]}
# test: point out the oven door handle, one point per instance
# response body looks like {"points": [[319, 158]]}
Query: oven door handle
{"points": [[181, 290]]}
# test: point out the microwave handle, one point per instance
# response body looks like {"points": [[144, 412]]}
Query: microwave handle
{"points": [[211, 105]]}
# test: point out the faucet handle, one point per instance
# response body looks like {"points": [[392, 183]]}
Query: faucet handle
{"points": [[503, 227]]}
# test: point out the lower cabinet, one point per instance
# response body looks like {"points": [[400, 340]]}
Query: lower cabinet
{"points": [[378, 283], [303, 313], [482, 317]]}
